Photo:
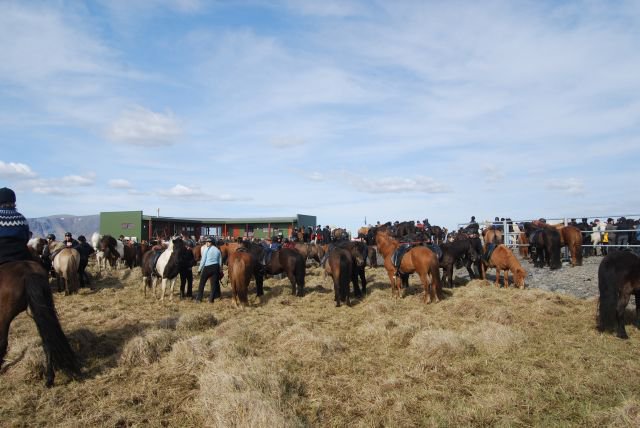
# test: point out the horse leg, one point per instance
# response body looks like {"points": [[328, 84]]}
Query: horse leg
{"points": [[393, 279], [623, 300], [449, 276], [173, 283], [636, 322], [336, 288], [5, 320], [497, 283], [506, 278]]}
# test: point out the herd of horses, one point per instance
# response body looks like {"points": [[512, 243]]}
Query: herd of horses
{"points": [[25, 284]]}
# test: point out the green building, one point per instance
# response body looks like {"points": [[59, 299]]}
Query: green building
{"points": [[134, 224]]}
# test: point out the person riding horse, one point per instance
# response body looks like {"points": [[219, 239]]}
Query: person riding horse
{"points": [[473, 228], [14, 229]]}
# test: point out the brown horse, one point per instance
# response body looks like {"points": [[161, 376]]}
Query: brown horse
{"points": [[291, 263], [420, 260], [362, 232], [309, 251], [503, 260], [571, 236], [618, 278], [241, 266], [25, 284], [338, 264], [523, 245], [372, 255], [65, 262], [339, 234]]}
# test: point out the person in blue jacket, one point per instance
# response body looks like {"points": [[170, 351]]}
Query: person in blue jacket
{"points": [[210, 267]]}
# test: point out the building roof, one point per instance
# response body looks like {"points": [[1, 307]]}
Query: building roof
{"points": [[223, 220]]}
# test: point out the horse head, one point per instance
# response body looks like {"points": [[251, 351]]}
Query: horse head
{"points": [[519, 276]]}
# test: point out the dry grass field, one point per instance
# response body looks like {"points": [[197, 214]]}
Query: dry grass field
{"points": [[482, 357]]}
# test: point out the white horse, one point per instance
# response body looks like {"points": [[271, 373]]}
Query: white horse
{"points": [[597, 235]]}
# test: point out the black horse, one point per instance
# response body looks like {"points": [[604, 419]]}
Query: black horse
{"points": [[544, 246], [459, 251], [618, 278]]}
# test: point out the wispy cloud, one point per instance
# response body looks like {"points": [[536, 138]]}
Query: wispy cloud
{"points": [[417, 184], [285, 142], [572, 186], [120, 183], [15, 170], [141, 127]]}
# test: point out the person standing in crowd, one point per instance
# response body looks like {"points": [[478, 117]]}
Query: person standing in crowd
{"points": [[14, 229], [85, 251], [586, 237], [209, 268], [69, 242], [185, 265]]}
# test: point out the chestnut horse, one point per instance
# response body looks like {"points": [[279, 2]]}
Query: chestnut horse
{"points": [[241, 266], [571, 236], [338, 264], [492, 235], [26, 284], [420, 260], [618, 278], [503, 260]]}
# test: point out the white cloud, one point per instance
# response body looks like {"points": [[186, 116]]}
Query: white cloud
{"points": [[51, 190], [15, 170], [325, 8], [572, 186], [418, 184], [120, 183], [180, 191], [142, 127]]}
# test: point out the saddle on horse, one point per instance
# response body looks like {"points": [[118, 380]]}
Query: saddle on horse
{"points": [[398, 254]]}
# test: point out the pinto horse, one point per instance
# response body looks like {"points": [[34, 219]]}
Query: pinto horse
{"points": [[503, 260], [420, 260], [571, 237], [26, 284], [618, 278], [338, 264], [162, 266]]}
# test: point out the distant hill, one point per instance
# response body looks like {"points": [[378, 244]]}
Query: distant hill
{"points": [[59, 224]]}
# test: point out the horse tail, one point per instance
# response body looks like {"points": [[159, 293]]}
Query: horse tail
{"points": [[54, 341], [299, 274], [238, 279], [610, 278], [553, 237], [344, 276], [434, 272]]}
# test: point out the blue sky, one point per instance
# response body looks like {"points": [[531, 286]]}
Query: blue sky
{"points": [[389, 110]]}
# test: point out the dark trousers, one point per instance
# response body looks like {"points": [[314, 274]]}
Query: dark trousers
{"points": [[213, 272], [84, 278], [186, 276]]}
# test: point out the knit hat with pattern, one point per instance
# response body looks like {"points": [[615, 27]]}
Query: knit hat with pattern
{"points": [[7, 196]]}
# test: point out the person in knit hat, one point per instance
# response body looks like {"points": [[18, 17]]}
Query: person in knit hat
{"points": [[14, 229]]}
